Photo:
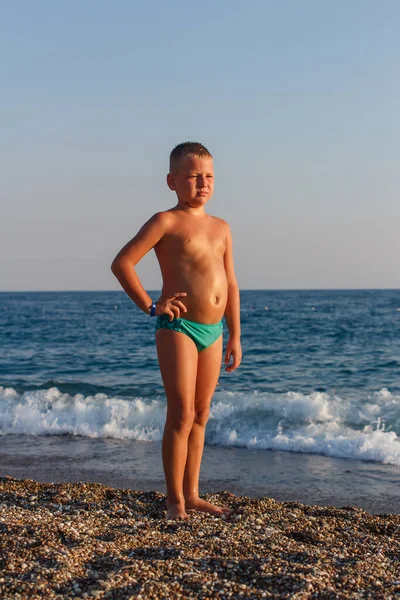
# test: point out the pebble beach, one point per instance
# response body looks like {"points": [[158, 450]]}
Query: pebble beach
{"points": [[88, 540]]}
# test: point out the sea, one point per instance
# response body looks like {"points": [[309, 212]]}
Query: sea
{"points": [[312, 415]]}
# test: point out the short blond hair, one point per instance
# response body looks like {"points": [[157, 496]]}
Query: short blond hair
{"points": [[187, 149]]}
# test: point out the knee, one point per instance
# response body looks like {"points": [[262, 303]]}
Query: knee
{"points": [[181, 421], [201, 416]]}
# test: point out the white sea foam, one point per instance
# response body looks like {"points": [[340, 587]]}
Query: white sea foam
{"points": [[363, 427]]}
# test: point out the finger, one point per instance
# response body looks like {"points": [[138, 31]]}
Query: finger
{"points": [[175, 310], [235, 363], [179, 294], [169, 312], [180, 304], [227, 356]]}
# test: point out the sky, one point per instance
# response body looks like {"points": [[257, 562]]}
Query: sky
{"points": [[298, 101]]}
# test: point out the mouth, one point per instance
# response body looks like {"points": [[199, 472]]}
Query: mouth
{"points": [[202, 193]]}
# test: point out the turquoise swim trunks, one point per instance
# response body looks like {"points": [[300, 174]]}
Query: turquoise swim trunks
{"points": [[203, 335]]}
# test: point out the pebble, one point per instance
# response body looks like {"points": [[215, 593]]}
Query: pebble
{"points": [[62, 540]]}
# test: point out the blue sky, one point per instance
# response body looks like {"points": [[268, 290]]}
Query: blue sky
{"points": [[297, 101]]}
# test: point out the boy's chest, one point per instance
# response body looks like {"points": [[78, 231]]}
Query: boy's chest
{"points": [[195, 240]]}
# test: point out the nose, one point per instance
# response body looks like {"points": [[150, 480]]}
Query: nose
{"points": [[201, 181]]}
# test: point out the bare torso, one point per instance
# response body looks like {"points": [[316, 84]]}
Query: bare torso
{"points": [[191, 258]]}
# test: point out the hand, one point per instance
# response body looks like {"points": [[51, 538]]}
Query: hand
{"points": [[171, 306], [234, 350]]}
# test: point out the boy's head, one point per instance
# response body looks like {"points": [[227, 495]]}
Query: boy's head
{"points": [[191, 173], [188, 150]]}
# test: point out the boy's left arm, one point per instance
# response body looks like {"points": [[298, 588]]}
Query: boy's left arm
{"points": [[232, 311]]}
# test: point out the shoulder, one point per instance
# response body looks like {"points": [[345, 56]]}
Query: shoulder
{"points": [[161, 219], [221, 223], [223, 228]]}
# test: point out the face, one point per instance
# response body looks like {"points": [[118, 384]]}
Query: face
{"points": [[193, 181]]}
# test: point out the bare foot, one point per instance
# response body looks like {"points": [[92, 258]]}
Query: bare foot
{"points": [[207, 507], [176, 512]]}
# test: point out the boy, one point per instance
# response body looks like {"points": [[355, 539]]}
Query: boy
{"points": [[194, 251]]}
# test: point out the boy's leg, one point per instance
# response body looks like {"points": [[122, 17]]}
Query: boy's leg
{"points": [[177, 356], [208, 370]]}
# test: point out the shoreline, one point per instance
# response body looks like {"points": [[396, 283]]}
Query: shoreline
{"points": [[284, 476], [87, 540]]}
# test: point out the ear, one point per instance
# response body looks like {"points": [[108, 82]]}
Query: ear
{"points": [[171, 182]]}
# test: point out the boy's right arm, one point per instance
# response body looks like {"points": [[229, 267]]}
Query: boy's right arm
{"points": [[123, 265], [126, 259]]}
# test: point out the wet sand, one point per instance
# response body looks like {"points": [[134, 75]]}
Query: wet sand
{"points": [[284, 476], [87, 540]]}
